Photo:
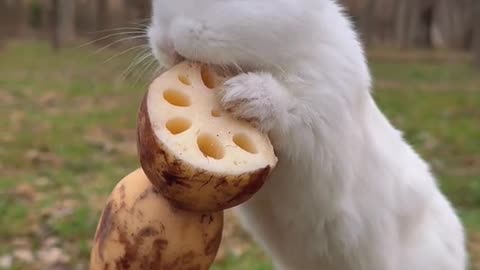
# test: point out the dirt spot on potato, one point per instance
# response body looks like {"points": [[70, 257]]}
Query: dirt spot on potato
{"points": [[182, 261], [106, 225], [145, 194], [122, 196], [132, 248], [159, 245], [214, 243], [206, 219]]}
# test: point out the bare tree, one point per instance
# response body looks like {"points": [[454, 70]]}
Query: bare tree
{"points": [[13, 18], [86, 18], [103, 19], [102, 14], [3, 22], [367, 22], [413, 23], [476, 32], [452, 24], [21, 17], [46, 17], [143, 8], [63, 22]]}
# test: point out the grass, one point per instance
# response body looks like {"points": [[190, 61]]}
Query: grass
{"points": [[68, 130], [253, 259], [438, 107]]}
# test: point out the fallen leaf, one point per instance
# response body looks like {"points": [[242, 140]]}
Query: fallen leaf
{"points": [[84, 105], [50, 242], [474, 248], [428, 140], [42, 181], [6, 261], [99, 138], [16, 119], [67, 191], [40, 229], [21, 243], [42, 126], [24, 255], [50, 99], [117, 142], [43, 156], [240, 248], [126, 147], [6, 97], [80, 266], [60, 210], [26, 192], [7, 137], [53, 256]]}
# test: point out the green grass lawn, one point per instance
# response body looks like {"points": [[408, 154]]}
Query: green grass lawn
{"points": [[68, 131]]}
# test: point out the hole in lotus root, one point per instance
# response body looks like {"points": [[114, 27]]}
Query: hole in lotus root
{"points": [[176, 98], [210, 146], [184, 79], [216, 113], [178, 125], [244, 142], [208, 77]]}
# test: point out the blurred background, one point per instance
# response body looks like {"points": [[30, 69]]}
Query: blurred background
{"points": [[72, 73]]}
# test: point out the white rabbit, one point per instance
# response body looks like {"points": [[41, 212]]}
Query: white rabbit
{"points": [[348, 193]]}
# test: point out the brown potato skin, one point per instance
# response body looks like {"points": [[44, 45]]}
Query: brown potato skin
{"points": [[140, 230], [189, 188]]}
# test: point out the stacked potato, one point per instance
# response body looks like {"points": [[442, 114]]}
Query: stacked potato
{"points": [[196, 161]]}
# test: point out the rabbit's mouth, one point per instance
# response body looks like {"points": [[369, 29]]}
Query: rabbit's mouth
{"points": [[176, 58], [224, 70]]}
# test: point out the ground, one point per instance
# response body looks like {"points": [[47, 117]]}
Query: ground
{"points": [[68, 136]]}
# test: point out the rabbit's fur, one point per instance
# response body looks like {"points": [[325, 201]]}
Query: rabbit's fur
{"points": [[349, 193]]}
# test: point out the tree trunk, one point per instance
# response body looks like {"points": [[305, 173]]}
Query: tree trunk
{"points": [[402, 25], [12, 18], [144, 9], [452, 24], [413, 23], [47, 19], [103, 20], [367, 23], [64, 22], [86, 21], [3, 22], [476, 32], [21, 18], [118, 13], [102, 15], [54, 21], [67, 21]]}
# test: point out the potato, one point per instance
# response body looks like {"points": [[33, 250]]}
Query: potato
{"points": [[139, 229], [198, 156]]}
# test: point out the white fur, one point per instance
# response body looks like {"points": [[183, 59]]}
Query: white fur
{"points": [[348, 193]]}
